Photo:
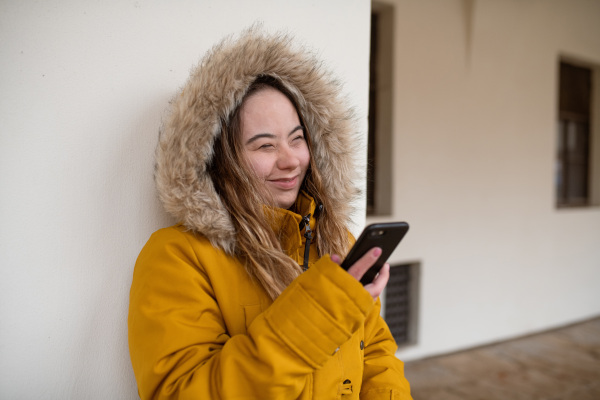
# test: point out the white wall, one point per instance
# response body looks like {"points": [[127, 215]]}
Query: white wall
{"points": [[83, 85], [475, 98]]}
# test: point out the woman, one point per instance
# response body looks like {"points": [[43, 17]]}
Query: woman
{"points": [[241, 299]]}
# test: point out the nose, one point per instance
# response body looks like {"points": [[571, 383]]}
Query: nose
{"points": [[287, 158]]}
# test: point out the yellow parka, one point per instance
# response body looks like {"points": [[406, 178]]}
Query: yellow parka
{"points": [[199, 326]]}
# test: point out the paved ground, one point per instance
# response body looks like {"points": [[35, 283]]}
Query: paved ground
{"points": [[562, 364]]}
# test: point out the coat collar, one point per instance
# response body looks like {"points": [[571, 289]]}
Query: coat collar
{"points": [[286, 223]]}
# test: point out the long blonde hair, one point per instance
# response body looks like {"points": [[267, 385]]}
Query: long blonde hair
{"points": [[257, 245]]}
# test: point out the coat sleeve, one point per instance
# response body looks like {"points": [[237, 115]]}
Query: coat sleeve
{"points": [[383, 374], [179, 345]]}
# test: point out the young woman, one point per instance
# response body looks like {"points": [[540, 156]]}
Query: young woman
{"points": [[244, 298]]}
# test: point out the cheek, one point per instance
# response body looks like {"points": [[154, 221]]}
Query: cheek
{"points": [[259, 164], [305, 159]]}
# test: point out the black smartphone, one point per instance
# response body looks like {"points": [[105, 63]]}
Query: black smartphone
{"points": [[384, 235]]}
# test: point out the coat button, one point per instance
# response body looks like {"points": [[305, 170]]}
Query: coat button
{"points": [[362, 344]]}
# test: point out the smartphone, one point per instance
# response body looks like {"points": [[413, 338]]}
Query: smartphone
{"points": [[384, 235]]}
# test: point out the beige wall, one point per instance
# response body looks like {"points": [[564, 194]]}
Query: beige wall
{"points": [[475, 86]]}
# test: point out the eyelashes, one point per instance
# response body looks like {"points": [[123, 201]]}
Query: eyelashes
{"points": [[296, 140]]}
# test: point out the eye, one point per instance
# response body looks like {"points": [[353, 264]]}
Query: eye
{"points": [[266, 146]]}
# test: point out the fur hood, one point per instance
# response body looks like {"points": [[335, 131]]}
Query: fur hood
{"points": [[215, 88]]}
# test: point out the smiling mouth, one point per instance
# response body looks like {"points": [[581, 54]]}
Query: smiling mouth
{"points": [[285, 183]]}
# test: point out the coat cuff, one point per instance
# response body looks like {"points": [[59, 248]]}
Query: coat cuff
{"points": [[319, 311]]}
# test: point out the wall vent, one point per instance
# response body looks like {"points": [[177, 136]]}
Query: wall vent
{"points": [[401, 302]]}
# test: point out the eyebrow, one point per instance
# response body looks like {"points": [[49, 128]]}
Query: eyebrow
{"points": [[272, 136]]}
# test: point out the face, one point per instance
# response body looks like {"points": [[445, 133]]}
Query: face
{"points": [[274, 144]]}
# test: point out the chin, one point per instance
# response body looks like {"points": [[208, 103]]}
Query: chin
{"points": [[286, 202]]}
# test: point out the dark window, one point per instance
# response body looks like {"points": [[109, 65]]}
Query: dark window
{"points": [[574, 121], [401, 302], [379, 173], [372, 116]]}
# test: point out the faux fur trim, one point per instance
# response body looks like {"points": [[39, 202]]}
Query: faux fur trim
{"points": [[215, 88]]}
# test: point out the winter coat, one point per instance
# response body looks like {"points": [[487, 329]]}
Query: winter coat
{"points": [[199, 326]]}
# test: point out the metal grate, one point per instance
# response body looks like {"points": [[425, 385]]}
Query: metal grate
{"points": [[398, 302]]}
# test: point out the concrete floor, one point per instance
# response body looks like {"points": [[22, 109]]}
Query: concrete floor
{"points": [[562, 364]]}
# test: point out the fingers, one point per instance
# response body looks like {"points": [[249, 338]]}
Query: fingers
{"points": [[359, 268], [364, 263], [376, 287]]}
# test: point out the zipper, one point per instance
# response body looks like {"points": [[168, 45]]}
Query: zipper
{"points": [[305, 224]]}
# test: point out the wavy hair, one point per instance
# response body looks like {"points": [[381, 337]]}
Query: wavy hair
{"points": [[242, 194]]}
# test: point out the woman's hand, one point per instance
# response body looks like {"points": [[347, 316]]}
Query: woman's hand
{"points": [[362, 266]]}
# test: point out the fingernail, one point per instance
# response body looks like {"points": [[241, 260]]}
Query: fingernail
{"points": [[377, 252]]}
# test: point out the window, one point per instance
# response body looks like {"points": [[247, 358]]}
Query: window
{"points": [[576, 169], [401, 302], [379, 176]]}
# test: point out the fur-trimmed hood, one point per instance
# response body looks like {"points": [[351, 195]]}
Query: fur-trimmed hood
{"points": [[214, 90]]}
